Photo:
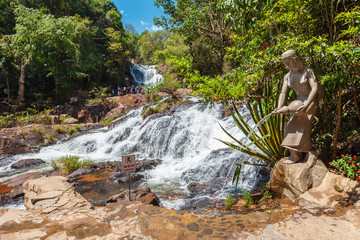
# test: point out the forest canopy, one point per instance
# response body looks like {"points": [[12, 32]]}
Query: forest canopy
{"points": [[53, 48]]}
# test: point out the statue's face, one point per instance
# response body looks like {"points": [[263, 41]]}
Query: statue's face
{"points": [[293, 63]]}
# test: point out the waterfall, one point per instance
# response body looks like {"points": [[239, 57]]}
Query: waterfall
{"points": [[145, 75], [184, 140]]}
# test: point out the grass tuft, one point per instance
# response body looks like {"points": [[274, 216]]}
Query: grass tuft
{"points": [[69, 164]]}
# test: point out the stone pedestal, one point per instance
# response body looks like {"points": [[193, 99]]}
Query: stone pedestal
{"points": [[289, 179]]}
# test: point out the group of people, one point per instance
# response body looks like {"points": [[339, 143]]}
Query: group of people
{"points": [[122, 91]]}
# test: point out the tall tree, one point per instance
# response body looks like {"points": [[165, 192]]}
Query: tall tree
{"points": [[47, 39]]}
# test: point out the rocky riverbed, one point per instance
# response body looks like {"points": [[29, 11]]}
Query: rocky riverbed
{"points": [[56, 211]]}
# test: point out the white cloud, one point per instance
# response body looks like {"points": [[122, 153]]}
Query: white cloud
{"points": [[122, 11], [143, 23], [156, 28]]}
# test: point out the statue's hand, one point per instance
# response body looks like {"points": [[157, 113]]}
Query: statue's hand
{"points": [[303, 108], [276, 111]]}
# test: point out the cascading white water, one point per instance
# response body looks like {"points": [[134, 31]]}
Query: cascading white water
{"points": [[184, 140], [145, 75]]}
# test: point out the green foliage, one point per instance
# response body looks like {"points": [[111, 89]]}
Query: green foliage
{"points": [[254, 35], [109, 120], [60, 129], [69, 164], [100, 93], [205, 28], [248, 199], [38, 130], [49, 138], [161, 107], [229, 202], [22, 118], [149, 43], [59, 46], [8, 121], [347, 165], [271, 131], [72, 130]]}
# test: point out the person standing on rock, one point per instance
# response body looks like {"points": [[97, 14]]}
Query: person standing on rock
{"points": [[298, 130]]}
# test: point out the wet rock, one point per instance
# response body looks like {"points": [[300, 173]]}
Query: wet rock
{"points": [[81, 171], [147, 164], [70, 121], [195, 187], [5, 159], [133, 177], [108, 164], [143, 195], [27, 163]]}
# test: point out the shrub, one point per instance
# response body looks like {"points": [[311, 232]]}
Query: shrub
{"points": [[60, 129], [39, 130], [248, 199], [148, 111], [270, 128], [229, 202], [49, 138], [69, 164], [347, 165], [72, 130], [162, 106]]}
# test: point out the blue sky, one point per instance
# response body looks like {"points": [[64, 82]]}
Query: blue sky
{"points": [[139, 13]]}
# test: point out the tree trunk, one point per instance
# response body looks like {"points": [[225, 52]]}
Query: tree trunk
{"points": [[338, 125], [21, 91], [7, 83]]}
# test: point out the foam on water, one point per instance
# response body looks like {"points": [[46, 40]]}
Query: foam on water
{"points": [[184, 140]]}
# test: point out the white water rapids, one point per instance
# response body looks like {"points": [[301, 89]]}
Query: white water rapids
{"points": [[145, 75], [183, 139]]}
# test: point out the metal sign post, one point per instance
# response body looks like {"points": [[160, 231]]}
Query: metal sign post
{"points": [[128, 165]]}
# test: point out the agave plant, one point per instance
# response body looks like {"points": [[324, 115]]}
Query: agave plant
{"points": [[270, 131]]}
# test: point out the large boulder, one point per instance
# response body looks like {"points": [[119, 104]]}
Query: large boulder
{"points": [[116, 111], [143, 195], [129, 101], [290, 179], [52, 194], [27, 163], [334, 189]]}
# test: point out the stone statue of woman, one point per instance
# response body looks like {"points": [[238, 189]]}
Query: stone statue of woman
{"points": [[298, 130]]}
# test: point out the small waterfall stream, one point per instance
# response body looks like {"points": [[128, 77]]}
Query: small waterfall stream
{"points": [[145, 75], [184, 139]]}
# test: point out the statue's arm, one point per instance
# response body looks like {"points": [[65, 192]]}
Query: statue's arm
{"points": [[314, 88], [284, 91]]}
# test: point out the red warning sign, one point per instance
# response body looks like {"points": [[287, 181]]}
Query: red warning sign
{"points": [[128, 163]]}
